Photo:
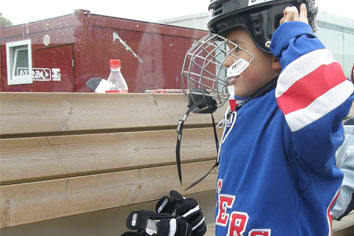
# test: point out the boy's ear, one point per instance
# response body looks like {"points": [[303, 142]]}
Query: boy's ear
{"points": [[276, 64]]}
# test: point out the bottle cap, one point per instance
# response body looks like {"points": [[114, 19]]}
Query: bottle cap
{"points": [[114, 63]]}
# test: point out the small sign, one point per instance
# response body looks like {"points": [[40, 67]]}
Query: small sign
{"points": [[56, 76], [41, 74]]}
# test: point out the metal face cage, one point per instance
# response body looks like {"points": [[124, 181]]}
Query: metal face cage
{"points": [[204, 72]]}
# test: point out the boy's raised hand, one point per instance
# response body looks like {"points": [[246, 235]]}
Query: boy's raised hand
{"points": [[292, 14]]}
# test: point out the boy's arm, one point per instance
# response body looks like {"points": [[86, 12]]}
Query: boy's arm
{"points": [[312, 90]]}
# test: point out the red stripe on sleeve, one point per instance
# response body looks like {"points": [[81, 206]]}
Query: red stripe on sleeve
{"points": [[304, 91]]}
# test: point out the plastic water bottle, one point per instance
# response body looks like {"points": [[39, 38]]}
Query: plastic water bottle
{"points": [[115, 81]]}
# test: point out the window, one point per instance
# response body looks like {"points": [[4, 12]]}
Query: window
{"points": [[19, 62]]}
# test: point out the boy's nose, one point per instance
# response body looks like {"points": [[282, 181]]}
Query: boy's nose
{"points": [[229, 60]]}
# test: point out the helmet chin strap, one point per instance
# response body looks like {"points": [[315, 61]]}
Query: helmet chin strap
{"points": [[198, 103]]}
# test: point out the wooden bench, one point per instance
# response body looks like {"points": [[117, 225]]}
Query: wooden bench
{"points": [[64, 154], [70, 153]]}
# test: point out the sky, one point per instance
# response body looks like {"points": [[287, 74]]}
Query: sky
{"points": [[24, 11]]}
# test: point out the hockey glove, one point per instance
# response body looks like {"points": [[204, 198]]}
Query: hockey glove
{"points": [[148, 223], [187, 208]]}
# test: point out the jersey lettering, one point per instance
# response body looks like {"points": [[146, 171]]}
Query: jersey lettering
{"points": [[238, 223], [259, 232], [225, 202]]}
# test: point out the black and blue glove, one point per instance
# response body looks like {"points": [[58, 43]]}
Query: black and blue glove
{"points": [[148, 223]]}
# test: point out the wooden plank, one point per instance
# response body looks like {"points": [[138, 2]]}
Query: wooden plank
{"points": [[29, 159], [37, 201], [56, 112]]}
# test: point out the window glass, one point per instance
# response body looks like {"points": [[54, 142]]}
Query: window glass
{"points": [[21, 59]]}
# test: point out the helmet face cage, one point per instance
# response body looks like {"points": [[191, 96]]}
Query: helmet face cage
{"points": [[203, 71]]}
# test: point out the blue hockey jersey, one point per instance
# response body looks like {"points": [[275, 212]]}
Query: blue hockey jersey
{"points": [[277, 174]]}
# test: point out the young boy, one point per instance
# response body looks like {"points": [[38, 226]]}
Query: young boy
{"points": [[277, 173]]}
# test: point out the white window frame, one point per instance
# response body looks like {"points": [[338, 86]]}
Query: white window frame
{"points": [[12, 50]]}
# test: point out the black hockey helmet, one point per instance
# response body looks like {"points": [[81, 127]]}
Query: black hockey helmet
{"points": [[259, 17]]}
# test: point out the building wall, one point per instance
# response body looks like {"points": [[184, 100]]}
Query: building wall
{"points": [[337, 34]]}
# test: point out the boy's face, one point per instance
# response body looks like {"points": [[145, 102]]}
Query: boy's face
{"points": [[260, 71]]}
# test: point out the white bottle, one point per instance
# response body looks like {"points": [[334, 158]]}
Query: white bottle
{"points": [[115, 81]]}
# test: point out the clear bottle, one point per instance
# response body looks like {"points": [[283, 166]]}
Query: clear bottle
{"points": [[115, 82]]}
